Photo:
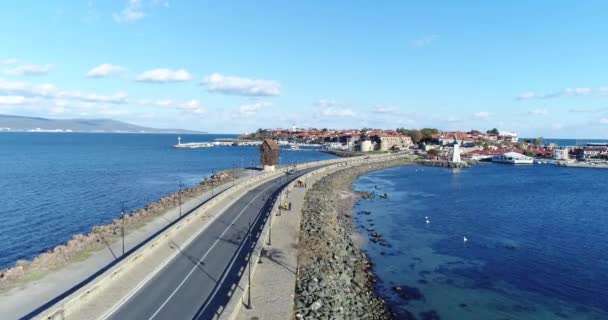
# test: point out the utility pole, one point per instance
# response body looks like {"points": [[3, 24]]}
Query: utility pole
{"points": [[249, 273], [122, 211]]}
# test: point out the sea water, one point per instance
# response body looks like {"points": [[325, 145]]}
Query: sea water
{"points": [[536, 241], [55, 185]]}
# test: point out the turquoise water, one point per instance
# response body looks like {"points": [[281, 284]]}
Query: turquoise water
{"points": [[537, 241], [54, 185]]}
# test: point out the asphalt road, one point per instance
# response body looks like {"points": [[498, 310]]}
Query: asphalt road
{"points": [[197, 283]]}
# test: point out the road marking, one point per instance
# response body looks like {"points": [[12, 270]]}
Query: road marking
{"points": [[206, 253], [166, 262]]}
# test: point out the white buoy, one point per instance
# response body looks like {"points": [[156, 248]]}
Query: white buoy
{"points": [[465, 239]]}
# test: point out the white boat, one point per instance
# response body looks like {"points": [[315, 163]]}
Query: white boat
{"points": [[295, 147], [513, 158]]}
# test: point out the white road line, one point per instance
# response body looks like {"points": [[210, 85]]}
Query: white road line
{"points": [[162, 266], [206, 253]]}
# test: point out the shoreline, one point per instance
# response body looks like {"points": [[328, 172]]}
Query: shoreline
{"points": [[335, 276], [81, 246]]}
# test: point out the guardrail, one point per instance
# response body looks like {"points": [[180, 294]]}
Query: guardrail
{"points": [[60, 309]]}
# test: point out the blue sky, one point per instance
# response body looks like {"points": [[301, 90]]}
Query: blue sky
{"points": [[535, 67]]}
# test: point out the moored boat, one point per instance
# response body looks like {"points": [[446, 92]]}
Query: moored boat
{"points": [[513, 158]]}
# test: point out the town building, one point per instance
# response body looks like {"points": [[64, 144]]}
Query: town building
{"points": [[392, 142]]}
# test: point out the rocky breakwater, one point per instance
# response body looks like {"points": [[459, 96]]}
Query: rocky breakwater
{"points": [[445, 164], [335, 279], [82, 245]]}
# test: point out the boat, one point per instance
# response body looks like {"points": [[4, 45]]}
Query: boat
{"points": [[513, 158], [294, 147]]}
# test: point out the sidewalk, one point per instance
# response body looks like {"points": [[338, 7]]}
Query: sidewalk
{"points": [[274, 281], [26, 297]]}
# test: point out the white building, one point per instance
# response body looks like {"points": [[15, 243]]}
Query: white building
{"points": [[508, 136], [456, 153], [366, 146], [561, 154]]}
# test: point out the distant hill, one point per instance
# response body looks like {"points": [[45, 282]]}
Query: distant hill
{"points": [[19, 123]]}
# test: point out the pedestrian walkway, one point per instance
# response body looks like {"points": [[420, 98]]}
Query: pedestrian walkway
{"points": [[274, 280]]}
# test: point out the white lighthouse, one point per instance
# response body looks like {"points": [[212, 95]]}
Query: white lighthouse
{"points": [[456, 152], [179, 140]]}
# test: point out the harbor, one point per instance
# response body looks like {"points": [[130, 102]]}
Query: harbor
{"points": [[231, 142]]}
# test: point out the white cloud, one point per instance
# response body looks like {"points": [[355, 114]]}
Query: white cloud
{"points": [[386, 110], [136, 10], [12, 100], [155, 103], [163, 75], [49, 91], [538, 112], [132, 12], [452, 119], [9, 61], [604, 120], [118, 98], [252, 109], [30, 70], [241, 86], [423, 41], [337, 112], [57, 110], [104, 70], [567, 92], [482, 115], [193, 107], [326, 103]]}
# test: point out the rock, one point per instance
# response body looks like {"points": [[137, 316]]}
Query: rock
{"points": [[316, 305]]}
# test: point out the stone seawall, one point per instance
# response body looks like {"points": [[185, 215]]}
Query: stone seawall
{"points": [[444, 164], [335, 279], [343, 154], [81, 245]]}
